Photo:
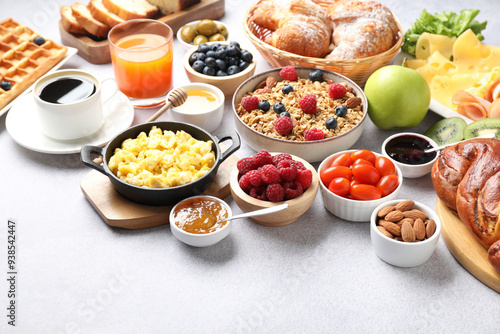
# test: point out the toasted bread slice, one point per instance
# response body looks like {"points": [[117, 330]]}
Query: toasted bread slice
{"points": [[88, 22], [70, 23], [101, 13], [171, 6], [131, 9]]}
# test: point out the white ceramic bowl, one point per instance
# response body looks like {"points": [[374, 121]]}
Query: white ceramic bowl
{"points": [[193, 24], [312, 151], [208, 119], [350, 209], [411, 171], [200, 240], [404, 254]]}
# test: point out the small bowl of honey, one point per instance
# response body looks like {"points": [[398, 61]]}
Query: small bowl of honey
{"points": [[196, 220], [204, 106]]}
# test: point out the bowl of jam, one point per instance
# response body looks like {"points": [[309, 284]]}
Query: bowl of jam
{"points": [[407, 151], [195, 220]]}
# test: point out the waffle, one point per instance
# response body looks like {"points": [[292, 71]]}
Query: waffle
{"points": [[22, 61]]}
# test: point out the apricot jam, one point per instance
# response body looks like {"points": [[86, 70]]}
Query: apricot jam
{"points": [[199, 215]]}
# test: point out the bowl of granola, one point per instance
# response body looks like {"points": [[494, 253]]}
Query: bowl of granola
{"points": [[311, 113]]}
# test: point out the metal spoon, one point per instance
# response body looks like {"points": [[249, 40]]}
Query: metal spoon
{"points": [[439, 148], [254, 213]]}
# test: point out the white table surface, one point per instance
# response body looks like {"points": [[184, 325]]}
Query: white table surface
{"points": [[320, 274]]}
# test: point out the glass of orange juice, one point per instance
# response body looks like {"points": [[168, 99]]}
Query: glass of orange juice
{"points": [[142, 53]]}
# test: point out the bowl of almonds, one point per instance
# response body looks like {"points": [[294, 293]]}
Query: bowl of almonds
{"points": [[404, 233]]}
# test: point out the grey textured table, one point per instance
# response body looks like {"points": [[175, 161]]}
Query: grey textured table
{"points": [[317, 275]]}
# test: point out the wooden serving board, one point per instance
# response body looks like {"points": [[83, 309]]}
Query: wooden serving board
{"points": [[97, 52], [465, 248], [118, 211]]}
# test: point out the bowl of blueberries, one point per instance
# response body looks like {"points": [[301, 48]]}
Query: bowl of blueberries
{"points": [[222, 64]]}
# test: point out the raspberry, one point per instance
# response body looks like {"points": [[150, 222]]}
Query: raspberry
{"points": [[305, 178], [275, 192], [289, 73], [250, 103], [336, 90], [283, 125], [282, 156], [308, 104], [258, 192], [299, 165], [314, 134], [293, 189], [287, 169], [270, 174], [246, 164], [255, 177], [244, 183], [263, 157]]}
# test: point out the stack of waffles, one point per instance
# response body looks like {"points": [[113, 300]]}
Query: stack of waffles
{"points": [[23, 59]]}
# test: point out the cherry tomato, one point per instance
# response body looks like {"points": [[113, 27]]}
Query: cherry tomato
{"points": [[366, 174], [387, 184], [339, 186], [385, 166], [364, 154], [365, 192], [342, 160], [354, 181], [362, 162], [333, 172]]}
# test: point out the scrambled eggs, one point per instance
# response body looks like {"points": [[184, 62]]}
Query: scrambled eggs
{"points": [[162, 160]]}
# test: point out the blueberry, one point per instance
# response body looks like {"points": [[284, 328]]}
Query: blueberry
{"points": [[221, 64], [331, 123], [196, 56], [214, 46], [209, 71], [341, 110], [198, 66], [210, 53], [203, 48], [232, 50], [264, 105], [221, 53], [279, 107], [285, 114], [243, 65], [220, 73], [5, 85], [235, 44], [39, 40], [232, 61], [287, 89], [233, 69], [246, 56], [316, 75], [210, 62]]}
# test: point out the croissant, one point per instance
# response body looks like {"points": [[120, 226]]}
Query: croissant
{"points": [[466, 178], [298, 26], [361, 29]]}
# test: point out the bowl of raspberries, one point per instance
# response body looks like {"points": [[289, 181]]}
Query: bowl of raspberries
{"points": [[267, 179]]}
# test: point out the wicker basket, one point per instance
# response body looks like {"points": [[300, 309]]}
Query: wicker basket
{"points": [[357, 70]]}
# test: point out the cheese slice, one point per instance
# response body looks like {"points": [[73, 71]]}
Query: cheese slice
{"points": [[428, 43]]}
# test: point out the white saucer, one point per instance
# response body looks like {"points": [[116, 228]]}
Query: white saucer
{"points": [[23, 126]]}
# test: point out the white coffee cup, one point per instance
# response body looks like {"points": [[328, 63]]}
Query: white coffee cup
{"points": [[79, 118]]}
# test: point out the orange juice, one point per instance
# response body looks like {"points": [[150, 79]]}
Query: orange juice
{"points": [[143, 65]]}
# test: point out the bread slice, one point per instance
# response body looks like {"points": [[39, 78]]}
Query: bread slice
{"points": [[131, 9], [88, 22], [70, 23], [171, 6], [101, 13]]}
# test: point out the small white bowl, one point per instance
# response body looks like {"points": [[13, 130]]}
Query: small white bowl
{"points": [[200, 240], [411, 171], [207, 119], [404, 254], [350, 209], [193, 24]]}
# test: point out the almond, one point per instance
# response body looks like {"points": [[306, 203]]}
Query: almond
{"points": [[392, 228], [407, 232], [261, 85], [405, 205], [409, 220], [414, 214], [419, 228], [384, 232], [264, 90], [430, 228], [271, 82], [353, 102], [385, 210], [394, 216]]}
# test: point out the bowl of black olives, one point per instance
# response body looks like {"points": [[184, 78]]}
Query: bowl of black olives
{"points": [[222, 64], [202, 31]]}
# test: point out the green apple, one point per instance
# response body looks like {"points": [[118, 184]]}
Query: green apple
{"points": [[398, 97]]}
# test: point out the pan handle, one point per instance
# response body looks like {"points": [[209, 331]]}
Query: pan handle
{"points": [[85, 157], [235, 138]]}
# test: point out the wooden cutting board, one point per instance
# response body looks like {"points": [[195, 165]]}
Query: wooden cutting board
{"points": [[465, 248], [118, 211], [97, 52]]}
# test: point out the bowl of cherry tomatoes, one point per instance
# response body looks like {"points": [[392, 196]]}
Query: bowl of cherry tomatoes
{"points": [[353, 183]]}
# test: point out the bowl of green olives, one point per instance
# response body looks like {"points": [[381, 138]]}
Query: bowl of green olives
{"points": [[202, 31]]}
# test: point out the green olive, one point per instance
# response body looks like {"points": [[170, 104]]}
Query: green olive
{"points": [[188, 34], [217, 38], [222, 29], [200, 39], [206, 27]]}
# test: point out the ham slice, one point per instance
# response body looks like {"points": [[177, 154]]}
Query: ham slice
{"points": [[471, 106], [493, 90]]}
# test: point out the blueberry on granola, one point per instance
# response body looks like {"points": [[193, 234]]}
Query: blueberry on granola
{"points": [[287, 89], [331, 123], [264, 105], [341, 110], [285, 114], [279, 107], [316, 75]]}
